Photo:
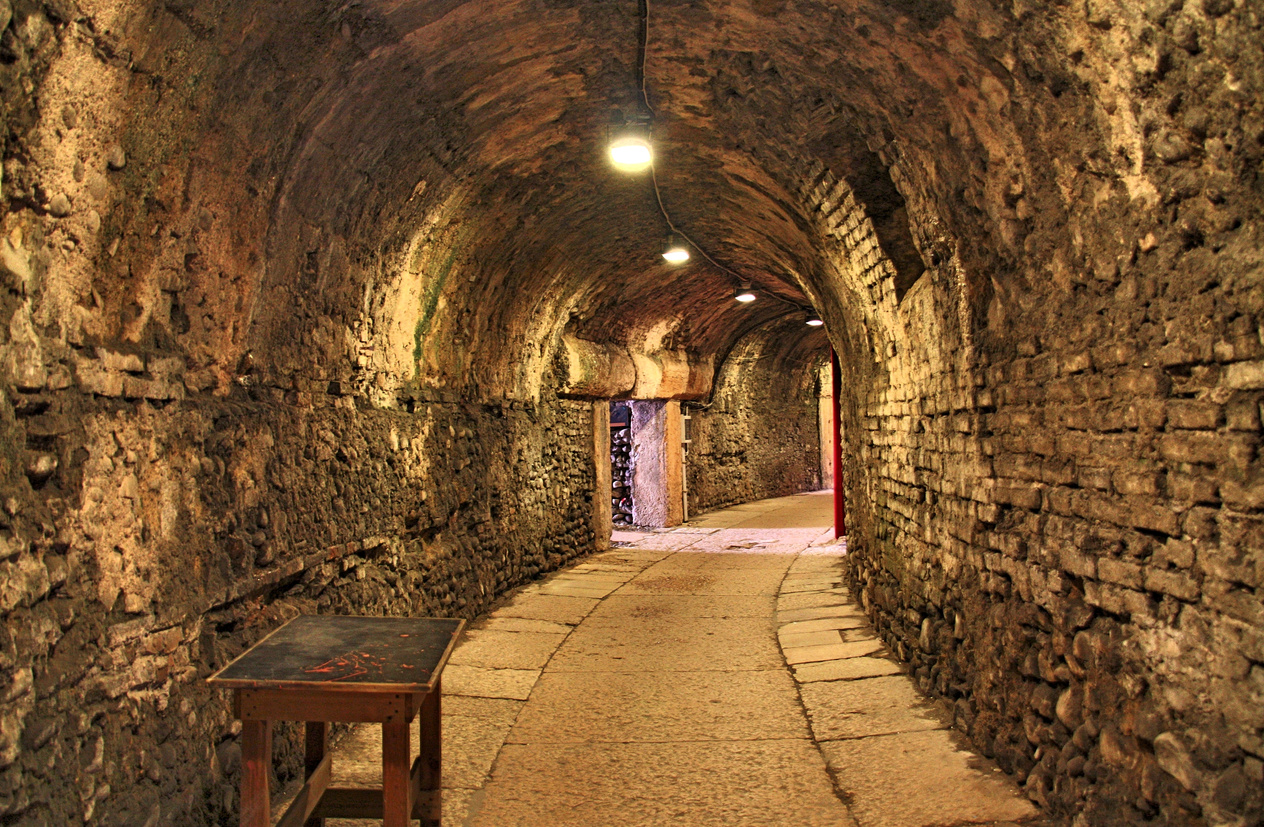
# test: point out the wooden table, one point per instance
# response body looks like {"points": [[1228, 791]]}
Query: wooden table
{"points": [[355, 669]]}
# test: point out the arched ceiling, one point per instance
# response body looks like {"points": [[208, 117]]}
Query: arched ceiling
{"points": [[419, 189]]}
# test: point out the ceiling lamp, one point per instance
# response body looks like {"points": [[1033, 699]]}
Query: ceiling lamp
{"points": [[815, 321], [629, 143], [675, 252], [744, 293]]}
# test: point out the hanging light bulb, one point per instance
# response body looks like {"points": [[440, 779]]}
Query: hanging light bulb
{"points": [[744, 293], [675, 252], [629, 143], [815, 321]]}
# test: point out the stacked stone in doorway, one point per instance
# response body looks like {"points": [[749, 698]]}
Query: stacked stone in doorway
{"points": [[621, 475]]}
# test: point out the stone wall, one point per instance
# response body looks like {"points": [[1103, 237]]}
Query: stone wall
{"points": [[146, 545], [220, 408], [759, 436], [1065, 541], [1052, 460]]}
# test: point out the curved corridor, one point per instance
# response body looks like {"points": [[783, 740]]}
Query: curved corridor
{"points": [[713, 674]]}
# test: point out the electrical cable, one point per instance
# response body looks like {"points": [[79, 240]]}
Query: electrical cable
{"points": [[642, 47], [643, 37]]}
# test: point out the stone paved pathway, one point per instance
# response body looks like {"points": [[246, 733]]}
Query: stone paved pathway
{"points": [[713, 674]]}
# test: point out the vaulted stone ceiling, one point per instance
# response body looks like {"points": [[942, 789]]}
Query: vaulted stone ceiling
{"points": [[430, 177], [422, 186], [425, 182]]}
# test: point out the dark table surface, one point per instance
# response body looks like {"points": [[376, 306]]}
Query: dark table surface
{"points": [[378, 654]]}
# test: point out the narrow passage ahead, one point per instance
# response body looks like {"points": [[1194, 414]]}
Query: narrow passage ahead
{"points": [[713, 674]]}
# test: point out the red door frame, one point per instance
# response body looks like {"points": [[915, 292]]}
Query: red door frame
{"points": [[840, 503]]}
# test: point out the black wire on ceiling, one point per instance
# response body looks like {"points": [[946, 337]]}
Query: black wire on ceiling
{"points": [[642, 40], [643, 37]]}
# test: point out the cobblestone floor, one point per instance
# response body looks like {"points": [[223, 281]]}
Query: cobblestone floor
{"points": [[713, 674]]}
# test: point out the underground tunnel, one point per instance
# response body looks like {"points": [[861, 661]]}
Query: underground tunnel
{"points": [[320, 307]]}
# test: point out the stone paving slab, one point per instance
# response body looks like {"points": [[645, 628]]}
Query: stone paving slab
{"points": [[810, 600], [846, 670], [555, 608], [872, 724], [833, 651], [519, 624], [506, 650], [614, 569], [479, 682], [637, 644], [577, 590], [918, 779], [792, 615], [684, 607], [590, 579], [633, 556], [694, 784], [791, 640], [871, 706], [725, 561], [572, 707], [794, 585], [667, 543], [759, 551], [822, 624], [790, 635], [823, 557], [694, 582]]}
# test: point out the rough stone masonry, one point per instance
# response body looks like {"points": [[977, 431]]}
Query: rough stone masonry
{"points": [[307, 306]]}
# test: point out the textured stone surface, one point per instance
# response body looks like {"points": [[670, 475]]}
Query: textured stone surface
{"points": [[950, 785], [577, 707], [803, 600], [831, 651], [482, 682], [550, 608], [782, 782], [635, 643], [861, 708], [848, 669], [286, 292], [684, 608], [506, 650]]}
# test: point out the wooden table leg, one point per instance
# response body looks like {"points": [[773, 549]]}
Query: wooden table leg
{"points": [[396, 806], [317, 745], [256, 765], [430, 723]]}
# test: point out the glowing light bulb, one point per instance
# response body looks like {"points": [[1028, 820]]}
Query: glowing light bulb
{"points": [[813, 321], [630, 146], [745, 294], [675, 252]]}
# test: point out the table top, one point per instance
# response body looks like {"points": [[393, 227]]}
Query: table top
{"points": [[346, 653]]}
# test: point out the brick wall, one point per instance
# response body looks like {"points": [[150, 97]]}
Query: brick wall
{"points": [[1056, 518]]}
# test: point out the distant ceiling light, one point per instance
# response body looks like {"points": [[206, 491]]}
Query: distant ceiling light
{"points": [[630, 142], [744, 294], [674, 251], [814, 321]]}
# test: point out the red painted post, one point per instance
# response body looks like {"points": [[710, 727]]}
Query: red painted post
{"points": [[840, 503]]}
